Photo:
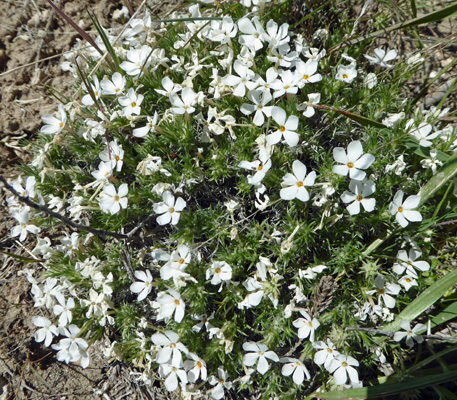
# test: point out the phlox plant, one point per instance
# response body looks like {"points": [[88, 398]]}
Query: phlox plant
{"points": [[231, 204]]}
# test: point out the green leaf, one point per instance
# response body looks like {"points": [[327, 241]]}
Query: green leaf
{"points": [[419, 365], [424, 301], [21, 258], [389, 389], [355, 117], [442, 177], [413, 144]]}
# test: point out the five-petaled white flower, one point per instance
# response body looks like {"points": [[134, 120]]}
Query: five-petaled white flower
{"points": [[196, 368], [144, 287], [260, 98], [47, 331], [404, 210], [294, 184], [149, 127], [359, 191], [327, 352], [299, 370], [170, 303], [170, 209], [422, 133], [54, 125], [172, 373], [115, 86], [385, 290], [260, 166], [131, 103], [382, 56], [353, 160], [407, 261], [410, 334], [72, 348], [343, 366], [24, 227], [218, 272], [346, 73], [259, 353], [185, 104], [172, 348], [306, 326], [220, 383], [245, 79], [286, 128], [112, 201], [64, 310]]}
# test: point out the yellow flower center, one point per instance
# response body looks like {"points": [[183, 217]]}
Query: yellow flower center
{"points": [[133, 104], [359, 197], [350, 165], [282, 129], [177, 302], [217, 270], [182, 261], [344, 364], [345, 76], [116, 198], [300, 184], [400, 209], [305, 77], [171, 210]]}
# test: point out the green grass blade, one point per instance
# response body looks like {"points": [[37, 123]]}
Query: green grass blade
{"points": [[355, 117], [389, 389], [427, 298], [433, 357], [442, 177]]}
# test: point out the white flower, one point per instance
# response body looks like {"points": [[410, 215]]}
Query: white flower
{"points": [[222, 31], [113, 154], [346, 73], [260, 98], [311, 272], [276, 35], [172, 373], [23, 228], [385, 290], [220, 383], [149, 127], [242, 81], [306, 326], [296, 367], [115, 86], [287, 84], [294, 184], [407, 261], [410, 334], [308, 110], [359, 191], [392, 120], [404, 210], [196, 368], [422, 133], [204, 321], [54, 125], [326, 354], [261, 166], [370, 80], [407, 282], [96, 303], [47, 331], [342, 367], [381, 57], [172, 348], [139, 60], [73, 348], [64, 310], [253, 33], [353, 161], [144, 287], [177, 263], [185, 104], [112, 201], [170, 209], [87, 99], [170, 304], [432, 162], [258, 353], [286, 128], [169, 86], [131, 103], [307, 72], [218, 272], [104, 171]]}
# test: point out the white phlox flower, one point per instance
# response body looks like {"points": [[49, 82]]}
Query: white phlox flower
{"points": [[382, 57], [311, 272], [346, 73], [432, 162], [260, 166], [21, 230], [393, 120], [385, 291], [260, 98], [72, 348], [53, 125], [422, 133], [47, 331], [29, 190], [131, 103], [276, 35], [359, 191], [294, 185], [113, 154], [149, 127], [353, 161], [411, 335], [253, 33], [168, 304], [287, 84], [196, 368], [169, 86], [245, 79], [271, 76], [138, 61], [172, 349], [87, 99], [281, 56], [307, 72], [370, 81], [404, 210], [185, 104], [326, 353], [172, 373], [97, 304], [145, 286], [307, 108], [296, 368], [258, 353], [178, 262], [407, 261], [313, 53], [306, 326], [204, 322], [220, 383], [104, 171], [115, 86], [219, 272], [64, 310], [111, 200], [222, 31], [170, 209], [45, 296], [407, 282], [341, 367]]}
